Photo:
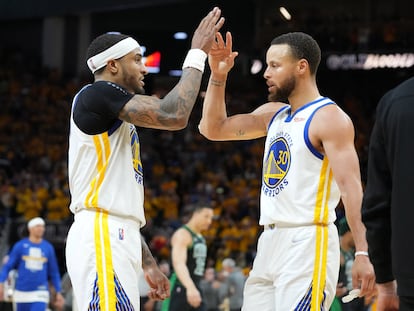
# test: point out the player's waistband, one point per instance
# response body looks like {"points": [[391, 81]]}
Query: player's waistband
{"points": [[285, 225], [121, 218]]}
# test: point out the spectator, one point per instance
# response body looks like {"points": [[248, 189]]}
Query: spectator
{"points": [[35, 260], [233, 284], [210, 288]]}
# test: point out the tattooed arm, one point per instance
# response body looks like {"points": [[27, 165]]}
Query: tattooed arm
{"points": [[158, 282], [170, 113], [173, 111]]}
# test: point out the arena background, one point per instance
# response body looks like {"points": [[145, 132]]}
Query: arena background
{"points": [[367, 45], [57, 33]]}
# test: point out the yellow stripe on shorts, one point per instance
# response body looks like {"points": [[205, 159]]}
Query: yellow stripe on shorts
{"points": [[321, 221], [104, 266]]}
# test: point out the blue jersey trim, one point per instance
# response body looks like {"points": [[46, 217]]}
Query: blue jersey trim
{"points": [[290, 117], [306, 132], [114, 127], [274, 116]]}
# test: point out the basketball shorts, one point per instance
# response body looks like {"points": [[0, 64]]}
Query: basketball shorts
{"points": [[103, 258], [296, 268]]}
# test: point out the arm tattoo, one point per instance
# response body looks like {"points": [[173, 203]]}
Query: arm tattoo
{"points": [[217, 82], [181, 99], [133, 115], [240, 132], [147, 258], [171, 111]]}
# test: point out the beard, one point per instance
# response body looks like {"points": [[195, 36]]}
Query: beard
{"points": [[136, 87], [139, 90], [283, 92], [130, 82]]}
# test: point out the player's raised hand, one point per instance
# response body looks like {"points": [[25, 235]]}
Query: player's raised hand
{"points": [[221, 56], [204, 35]]}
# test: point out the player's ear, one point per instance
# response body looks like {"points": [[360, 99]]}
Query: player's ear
{"points": [[302, 66], [112, 66]]}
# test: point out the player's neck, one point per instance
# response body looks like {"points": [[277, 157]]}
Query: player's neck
{"points": [[35, 240], [193, 227], [303, 95]]}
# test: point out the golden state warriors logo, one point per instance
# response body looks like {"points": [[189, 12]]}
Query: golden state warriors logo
{"points": [[277, 163], [136, 156]]}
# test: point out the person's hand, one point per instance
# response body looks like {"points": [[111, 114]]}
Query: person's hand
{"points": [[387, 299], [204, 35], [221, 57], [193, 297], [363, 276], [158, 282], [59, 301]]}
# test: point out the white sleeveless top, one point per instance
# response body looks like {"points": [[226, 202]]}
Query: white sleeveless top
{"points": [[105, 171], [297, 183]]}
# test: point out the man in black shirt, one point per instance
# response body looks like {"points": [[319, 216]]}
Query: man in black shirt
{"points": [[388, 210]]}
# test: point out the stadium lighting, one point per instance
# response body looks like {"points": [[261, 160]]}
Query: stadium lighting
{"points": [[285, 13], [256, 67], [180, 35]]}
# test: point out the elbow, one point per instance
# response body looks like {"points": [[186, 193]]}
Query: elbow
{"points": [[202, 129], [175, 124], [181, 123], [206, 131]]}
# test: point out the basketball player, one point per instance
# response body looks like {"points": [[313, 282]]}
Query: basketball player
{"points": [[309, 164], [189, 255], [103, 251]]}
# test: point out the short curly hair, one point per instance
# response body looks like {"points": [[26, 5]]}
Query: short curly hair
{"points": [[301, 45]]}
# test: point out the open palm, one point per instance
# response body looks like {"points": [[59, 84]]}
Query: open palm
{"points": [[221, 57]]}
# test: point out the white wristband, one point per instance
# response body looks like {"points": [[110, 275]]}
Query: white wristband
{"points": [[195, 58], [361, 253]]}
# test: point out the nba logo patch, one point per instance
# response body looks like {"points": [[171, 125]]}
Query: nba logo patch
{"points": [[121, 234]]}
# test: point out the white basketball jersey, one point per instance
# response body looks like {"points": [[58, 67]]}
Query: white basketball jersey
{"points": [[297, 183], [105, 171]]}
